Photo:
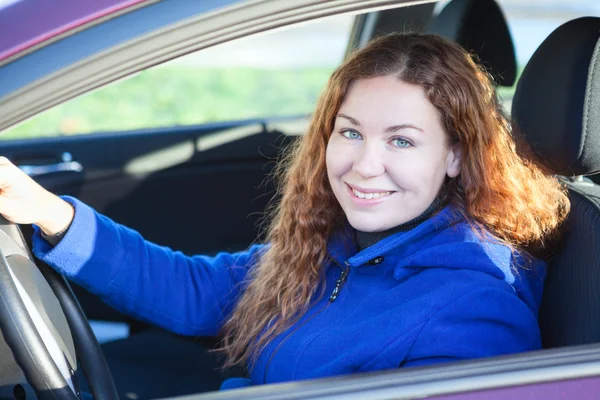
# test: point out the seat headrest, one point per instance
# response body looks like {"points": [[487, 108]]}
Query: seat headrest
{"points": [[557, 100], [480, 27]]}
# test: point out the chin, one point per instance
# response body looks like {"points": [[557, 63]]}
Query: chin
{"points": [[367, 226]]}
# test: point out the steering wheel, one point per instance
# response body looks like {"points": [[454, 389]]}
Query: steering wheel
{"points": [[45, 327]]}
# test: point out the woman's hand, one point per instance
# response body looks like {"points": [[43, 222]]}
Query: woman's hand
{"points": [[24, 201]]}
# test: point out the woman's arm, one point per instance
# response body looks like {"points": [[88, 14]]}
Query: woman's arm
{"points": [[186, 295]]}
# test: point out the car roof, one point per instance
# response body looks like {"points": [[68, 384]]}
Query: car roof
{"points": [[46, 22]]}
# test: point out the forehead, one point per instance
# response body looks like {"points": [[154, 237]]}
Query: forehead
{"points": [[387, 99]]}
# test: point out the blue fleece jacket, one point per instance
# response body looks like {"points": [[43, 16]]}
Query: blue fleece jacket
{"points": [[436, 293]]}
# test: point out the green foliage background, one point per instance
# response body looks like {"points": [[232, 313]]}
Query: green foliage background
{"points": [[181, 95]]}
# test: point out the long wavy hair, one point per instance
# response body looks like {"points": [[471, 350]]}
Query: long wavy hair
{"points": [[499, 188]]}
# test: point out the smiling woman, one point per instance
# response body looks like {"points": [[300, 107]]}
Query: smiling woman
{"points": [[396, 159], [399, 228], [454, 196]]}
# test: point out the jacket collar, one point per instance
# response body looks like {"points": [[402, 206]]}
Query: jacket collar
{"points": [[343, 248]]}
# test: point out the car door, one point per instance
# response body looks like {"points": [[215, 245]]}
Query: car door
{"points": [[566, 373]]}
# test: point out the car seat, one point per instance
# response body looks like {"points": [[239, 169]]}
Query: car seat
{"points": [[557, 108]]}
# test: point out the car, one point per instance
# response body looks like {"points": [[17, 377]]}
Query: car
{"points": [[92, 106]]}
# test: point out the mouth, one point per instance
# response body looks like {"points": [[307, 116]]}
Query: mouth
{"points": [[368, 194]]}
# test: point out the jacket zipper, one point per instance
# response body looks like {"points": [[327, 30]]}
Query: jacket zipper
{"points": [[339, 283]]}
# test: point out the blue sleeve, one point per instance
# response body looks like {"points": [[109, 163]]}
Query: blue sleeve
{"points": [[482, 323], [186, 295]]}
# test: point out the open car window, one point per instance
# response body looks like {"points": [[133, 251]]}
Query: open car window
{"points": [[280, 73]]}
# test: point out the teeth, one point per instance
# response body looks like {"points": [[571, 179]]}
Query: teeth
{"points": [[369, 196]]}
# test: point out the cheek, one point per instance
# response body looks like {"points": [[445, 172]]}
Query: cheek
{"points": [[335, 159], [417, 170]]}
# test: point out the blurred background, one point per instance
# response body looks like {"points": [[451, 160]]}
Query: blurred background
{"points": [[280, 73]]}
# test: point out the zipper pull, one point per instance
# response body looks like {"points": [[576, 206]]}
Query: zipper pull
{"points": [[340, 282]]}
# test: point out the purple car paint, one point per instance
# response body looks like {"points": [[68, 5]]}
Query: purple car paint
{"points": [[31, 22], [580, 389]]}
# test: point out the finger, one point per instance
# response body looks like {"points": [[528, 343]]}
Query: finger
{"points": [[7, 176], [5, 208]]}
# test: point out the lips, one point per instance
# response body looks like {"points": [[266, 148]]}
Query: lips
{"points": [[373, 195], [369, 194]]}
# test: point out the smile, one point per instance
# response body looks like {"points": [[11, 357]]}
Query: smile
{"points": [[368, 194]]}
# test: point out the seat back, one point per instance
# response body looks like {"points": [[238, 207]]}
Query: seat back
{"points": [[479, 26], [557, 108]]}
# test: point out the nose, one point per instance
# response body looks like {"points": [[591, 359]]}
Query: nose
{"points": [[369, 162]]}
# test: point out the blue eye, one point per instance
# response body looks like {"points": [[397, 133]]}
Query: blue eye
{"points": [[402, 143], [350, 134]]}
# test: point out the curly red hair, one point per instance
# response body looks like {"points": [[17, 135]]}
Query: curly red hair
{"points": [[500, 187]]}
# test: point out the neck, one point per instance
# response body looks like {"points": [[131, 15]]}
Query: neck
{"points": [[367, 239]]}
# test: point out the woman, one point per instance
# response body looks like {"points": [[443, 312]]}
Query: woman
{"points": [[397, 241]]}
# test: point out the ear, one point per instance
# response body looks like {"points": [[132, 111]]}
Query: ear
{"points": [[453, 161]]}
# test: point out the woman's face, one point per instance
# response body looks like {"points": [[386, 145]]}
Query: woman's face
{"points": [[387, 156]]}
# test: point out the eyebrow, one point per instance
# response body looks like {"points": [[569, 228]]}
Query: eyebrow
{"points": [[389, 129]]}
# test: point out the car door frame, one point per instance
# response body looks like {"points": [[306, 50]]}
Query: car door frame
{"points": [[574, 371]]}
